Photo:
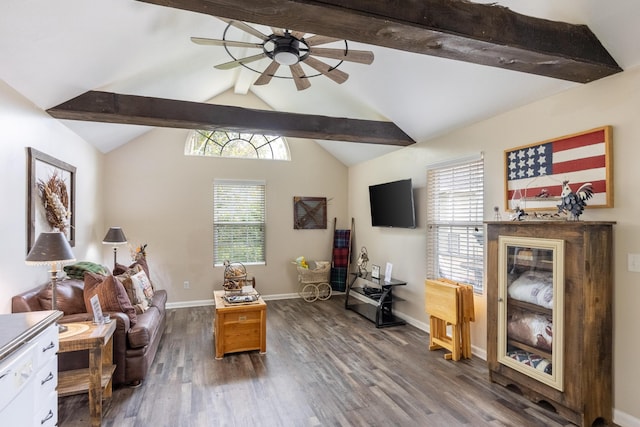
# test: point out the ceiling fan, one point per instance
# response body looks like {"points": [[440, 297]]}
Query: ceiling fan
{"points": [[288, 48]]}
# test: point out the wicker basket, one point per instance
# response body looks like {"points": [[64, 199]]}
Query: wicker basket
{"points": [[317, 275]]}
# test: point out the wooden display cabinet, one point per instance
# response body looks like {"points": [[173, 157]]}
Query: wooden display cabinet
{"points": [[549, 314]]}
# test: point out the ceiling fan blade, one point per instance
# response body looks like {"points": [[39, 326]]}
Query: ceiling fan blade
{"points": [[298, 34], [246, 28], [267, 74], [359, 56], [334, 74], [299, 78], [277, 31], [214, 42], [247, 60], [318, 40]]}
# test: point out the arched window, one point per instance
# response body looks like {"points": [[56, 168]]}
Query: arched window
{"points": [[221, 143]]}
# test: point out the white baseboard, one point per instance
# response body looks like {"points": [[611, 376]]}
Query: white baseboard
{"points": [[625, 420], [188, 304]]}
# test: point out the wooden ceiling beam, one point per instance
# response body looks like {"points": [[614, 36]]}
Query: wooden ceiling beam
{"points": [[110, 107], [455, 29]]}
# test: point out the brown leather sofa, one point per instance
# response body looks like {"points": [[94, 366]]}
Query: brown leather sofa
{"points": [[134, 348]]}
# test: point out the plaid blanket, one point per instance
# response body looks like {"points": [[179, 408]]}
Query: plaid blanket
{"points": [[341, 238], [77, 270], [339, 279], [340, 260], [340, 257]]}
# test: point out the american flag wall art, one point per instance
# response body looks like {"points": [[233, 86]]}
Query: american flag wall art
{"points": [[534, 173]]}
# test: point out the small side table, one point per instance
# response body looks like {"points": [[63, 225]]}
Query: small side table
{"points": [[239, 327], [97, 378]]}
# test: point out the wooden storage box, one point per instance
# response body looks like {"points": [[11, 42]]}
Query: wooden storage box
{"points": [[239, 327]]}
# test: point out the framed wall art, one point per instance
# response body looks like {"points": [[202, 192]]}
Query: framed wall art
{"points": [[535, 173], [51, 186], [309, 213]]}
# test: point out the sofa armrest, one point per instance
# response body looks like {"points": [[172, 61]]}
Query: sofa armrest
{"points": [[123, 324], [143, 331], [26, 301], [159, 298], [120, 344]]}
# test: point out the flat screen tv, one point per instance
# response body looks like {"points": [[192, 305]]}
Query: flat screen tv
{"points": [[392, 204]]}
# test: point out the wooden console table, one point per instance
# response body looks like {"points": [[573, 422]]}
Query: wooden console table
{"points": [[239, 327], [97, 378]]}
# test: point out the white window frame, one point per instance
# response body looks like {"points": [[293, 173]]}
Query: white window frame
{"points": [[455, 228], [233, 211]]}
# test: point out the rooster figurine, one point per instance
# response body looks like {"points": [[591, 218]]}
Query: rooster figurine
{"points": [[574, 203]]}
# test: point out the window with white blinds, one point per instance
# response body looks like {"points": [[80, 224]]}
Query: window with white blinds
{"points": [[455, 232], [239, 222]]}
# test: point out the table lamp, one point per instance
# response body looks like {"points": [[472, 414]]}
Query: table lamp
{"points": [[51, 248], [115, 236]]}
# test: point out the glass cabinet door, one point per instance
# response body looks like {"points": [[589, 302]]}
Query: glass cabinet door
{"points": [[530, 307]]}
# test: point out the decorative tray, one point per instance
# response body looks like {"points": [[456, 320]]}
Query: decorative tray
{"points": [[241, 298]]}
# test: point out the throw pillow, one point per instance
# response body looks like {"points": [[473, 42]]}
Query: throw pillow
{"points": [[143, 281], [77, 270], [111, 294], [142, 262], [125, 279], [141, 286]]}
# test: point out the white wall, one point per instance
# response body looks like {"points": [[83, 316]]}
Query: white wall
{"points": [[612, 101], [24, 125], [163, 198]]}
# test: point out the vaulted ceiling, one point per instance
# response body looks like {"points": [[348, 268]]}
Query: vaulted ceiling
{"points": [[55, 51]]}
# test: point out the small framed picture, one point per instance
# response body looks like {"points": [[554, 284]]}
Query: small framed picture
{"points": [[97, 310], [375, 271]]}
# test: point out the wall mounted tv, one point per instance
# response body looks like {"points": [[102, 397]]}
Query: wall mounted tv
{"points": [[392, 204]]}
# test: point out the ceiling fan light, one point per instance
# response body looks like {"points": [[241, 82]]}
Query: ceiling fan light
{"points": [[286, 55], [286, 50]]}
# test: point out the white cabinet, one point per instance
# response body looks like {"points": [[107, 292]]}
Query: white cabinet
{"points": [[29, 369]]}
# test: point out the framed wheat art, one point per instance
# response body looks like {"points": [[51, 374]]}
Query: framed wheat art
{"points": [[51, 186]]}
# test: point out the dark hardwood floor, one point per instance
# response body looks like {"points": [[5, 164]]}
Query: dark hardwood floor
{"points": [[324, 366]]}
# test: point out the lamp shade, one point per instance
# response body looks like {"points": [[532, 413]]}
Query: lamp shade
{"points": [[115, 236], [50, 247]]}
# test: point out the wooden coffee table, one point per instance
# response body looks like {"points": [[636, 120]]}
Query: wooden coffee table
{"points": [[239, 327], [97, 378]]}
